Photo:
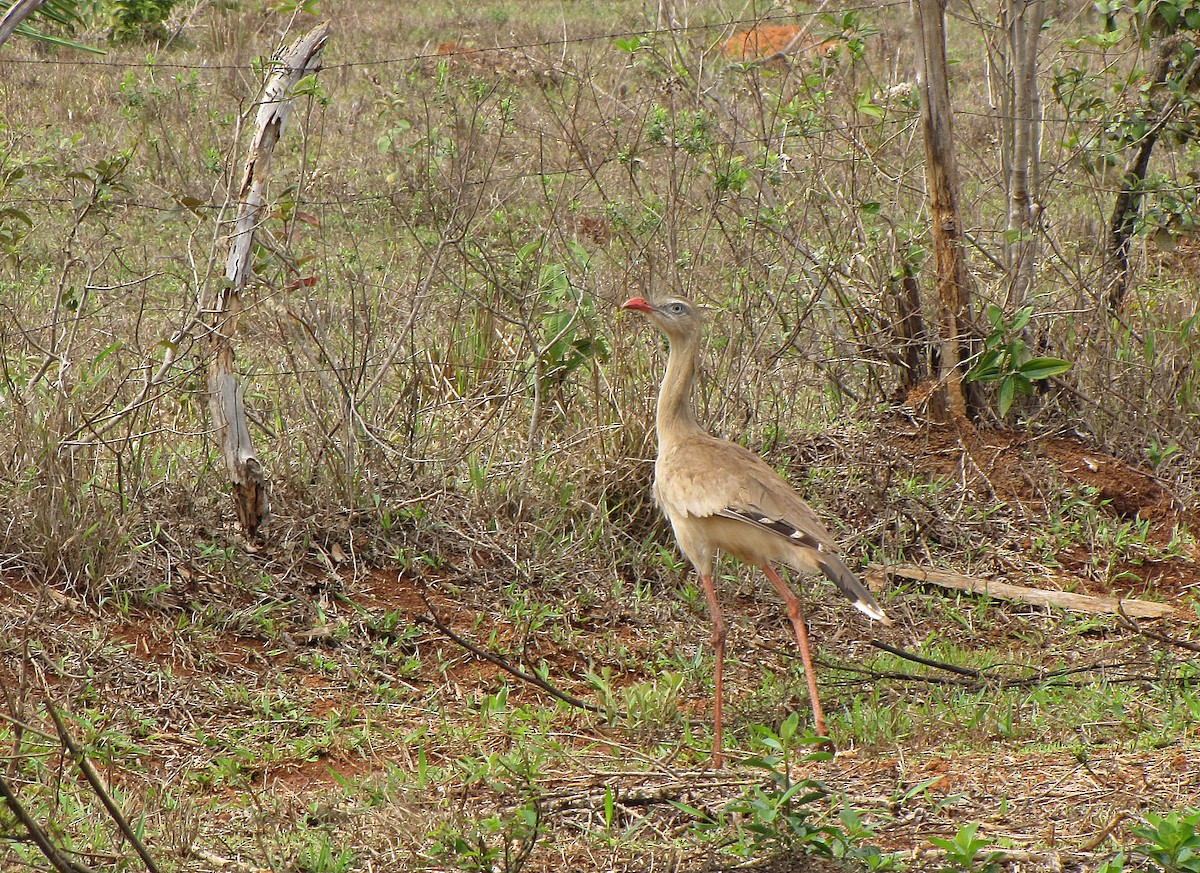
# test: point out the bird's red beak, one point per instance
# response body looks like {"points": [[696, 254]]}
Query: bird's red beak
{"points": [[637, 303]]}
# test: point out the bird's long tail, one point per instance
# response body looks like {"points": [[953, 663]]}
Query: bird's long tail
{"points": [[850, 585]]}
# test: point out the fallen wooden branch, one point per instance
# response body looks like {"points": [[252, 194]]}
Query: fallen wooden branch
{"points": [[532, 679], [97, 784], [57, 858], [1157, 637], [1024, 594]]}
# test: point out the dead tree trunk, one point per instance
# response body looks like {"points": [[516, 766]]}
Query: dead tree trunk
{"points": [[950, 401], [1024, 29], [1128, 206], [908, 329], [225, 393]]}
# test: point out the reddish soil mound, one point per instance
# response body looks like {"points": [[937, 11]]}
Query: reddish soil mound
{"points": [[1035, 476], [776, 40], [1017, 467]]}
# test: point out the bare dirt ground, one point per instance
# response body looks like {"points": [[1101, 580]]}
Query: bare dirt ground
{"points": [[274, 708]]}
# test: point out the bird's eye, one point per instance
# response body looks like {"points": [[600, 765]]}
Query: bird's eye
{"points": [[676, 308]]}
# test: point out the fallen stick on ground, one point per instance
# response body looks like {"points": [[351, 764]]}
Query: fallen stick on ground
{"points": [[98, 786], [57, 858], [1024, 594], [1157, 637], [432, 619]]}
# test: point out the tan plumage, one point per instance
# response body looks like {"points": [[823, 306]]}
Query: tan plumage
{"points": [[720, 496]]}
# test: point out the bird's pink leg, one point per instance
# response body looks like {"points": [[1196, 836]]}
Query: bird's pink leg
{"points": [[718, 639], [796, 613]]}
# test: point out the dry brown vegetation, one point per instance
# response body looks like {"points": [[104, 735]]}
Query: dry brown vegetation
{"points": [[456, 426]]}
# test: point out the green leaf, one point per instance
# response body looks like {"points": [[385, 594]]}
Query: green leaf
{"points": [[987, 368], [864, 105], [64, 13], [1017, 351], [47, 39], [16, 215], [308, 86], [1007, 392], [525, 251], [1020, 318], [688, 809], [1036, 369]]}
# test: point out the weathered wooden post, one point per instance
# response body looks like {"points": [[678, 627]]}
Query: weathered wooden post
{"points": [[225, 393]]}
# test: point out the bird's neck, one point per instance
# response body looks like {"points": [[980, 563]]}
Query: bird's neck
{"points": [[675, 414]]}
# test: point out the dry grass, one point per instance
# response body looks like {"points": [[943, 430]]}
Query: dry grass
{"points": [[446, 402]]}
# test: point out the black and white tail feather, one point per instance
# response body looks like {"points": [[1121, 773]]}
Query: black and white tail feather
{"points": [[831, 565]]}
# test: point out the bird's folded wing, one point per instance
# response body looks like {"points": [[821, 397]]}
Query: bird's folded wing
{"points": [[758, 518], [716, 477]]}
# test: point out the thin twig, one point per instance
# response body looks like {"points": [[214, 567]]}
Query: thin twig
{"points": [[541, 683], [1104, 833], [22, 726], [47, 848], [928, 662], [1153, 635], [99, 426], [983, 678], [97, 784]]}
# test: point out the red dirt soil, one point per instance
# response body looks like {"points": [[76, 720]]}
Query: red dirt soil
{"points": [[1031, 475], [1055, 799], [776, 40]]}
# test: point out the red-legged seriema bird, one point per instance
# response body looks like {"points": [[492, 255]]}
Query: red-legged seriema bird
{"points": [[720, 496]]}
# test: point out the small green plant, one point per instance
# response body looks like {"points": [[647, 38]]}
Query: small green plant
{"points": [[498, 842], [965, 851], [320, 856], [1156, 453], [1171, 842], [853, 845], [14, 223], [505, 840], [729, 172], [102, 181], [569, 341], [133, 20], [1006, 359], [780, 816]]}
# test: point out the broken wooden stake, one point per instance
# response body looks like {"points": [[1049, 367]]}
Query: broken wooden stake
{"points": [[1024, 594], [225, 393], [15, 14]]}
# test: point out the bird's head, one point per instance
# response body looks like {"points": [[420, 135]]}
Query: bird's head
{"points": [[677, 317]]}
